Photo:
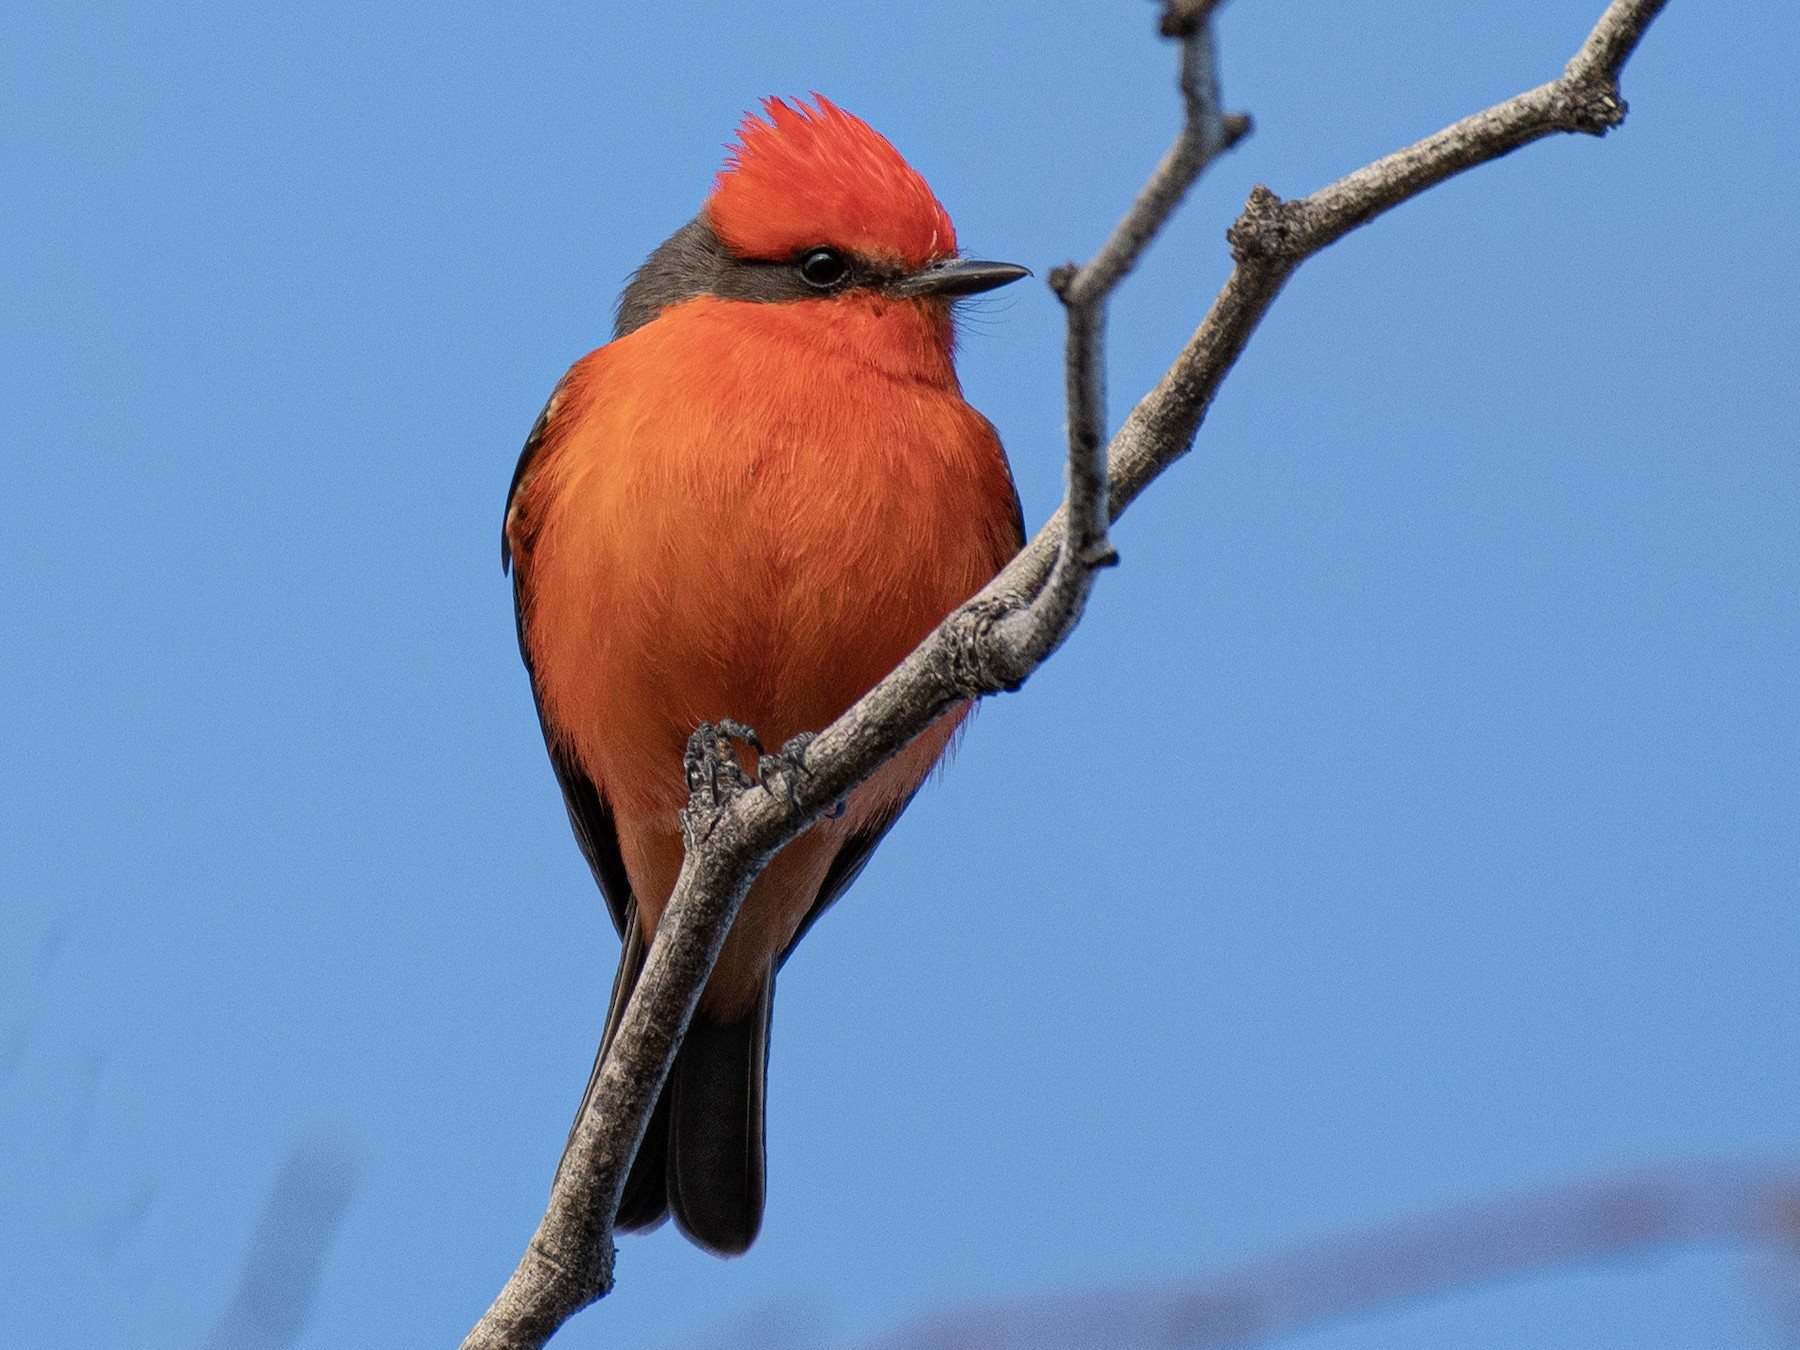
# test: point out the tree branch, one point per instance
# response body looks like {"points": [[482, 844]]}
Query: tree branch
{"points": [[997, 639], [1037, 629]]}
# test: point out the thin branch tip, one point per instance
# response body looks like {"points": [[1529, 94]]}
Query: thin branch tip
{"points": [[1184, 18]]}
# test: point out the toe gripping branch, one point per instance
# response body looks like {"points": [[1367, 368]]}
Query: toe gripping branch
{"points": [[715, 774]]}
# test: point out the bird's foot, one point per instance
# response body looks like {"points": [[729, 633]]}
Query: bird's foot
{"points": [[782, 770], [714, 773]]}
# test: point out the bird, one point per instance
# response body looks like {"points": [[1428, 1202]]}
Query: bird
{"points": [[746, 508]]}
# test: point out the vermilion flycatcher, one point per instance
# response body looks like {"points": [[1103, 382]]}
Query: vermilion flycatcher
{"points": [[751, 504]]}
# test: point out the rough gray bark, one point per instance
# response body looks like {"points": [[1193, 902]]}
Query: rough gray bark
{"points": [[994, 641]]}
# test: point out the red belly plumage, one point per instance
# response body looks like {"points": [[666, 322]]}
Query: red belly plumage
{"points": [[751, 511]]}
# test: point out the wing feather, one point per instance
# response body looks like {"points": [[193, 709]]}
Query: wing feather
{"points": [[589, 815]]}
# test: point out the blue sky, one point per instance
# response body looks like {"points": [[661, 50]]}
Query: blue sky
{"points": [[1416, 816]]}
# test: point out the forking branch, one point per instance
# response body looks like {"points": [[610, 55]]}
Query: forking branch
{"points": [[993, 642]]}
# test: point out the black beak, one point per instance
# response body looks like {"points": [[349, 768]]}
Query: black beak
{"points": [[947, 280]]}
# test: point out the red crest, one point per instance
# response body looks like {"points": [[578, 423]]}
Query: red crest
{"points": [[811, 176]]}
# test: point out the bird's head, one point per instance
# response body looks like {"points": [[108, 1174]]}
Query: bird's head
{"points": [[812, 203]]}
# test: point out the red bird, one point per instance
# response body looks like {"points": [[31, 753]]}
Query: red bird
{"points": [[751, 504]]}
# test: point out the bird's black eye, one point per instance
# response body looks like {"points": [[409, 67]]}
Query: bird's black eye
{"points": [[823, 268]]}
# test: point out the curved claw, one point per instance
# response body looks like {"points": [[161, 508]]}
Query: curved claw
{"points": [[781, 770], [710, 760], [712, 763]]}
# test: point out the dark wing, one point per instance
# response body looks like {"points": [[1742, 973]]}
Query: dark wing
{"points": [[589, 815]]}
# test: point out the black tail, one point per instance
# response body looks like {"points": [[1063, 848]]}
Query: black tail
{"points": [[714, 1100], [702, 1156]]}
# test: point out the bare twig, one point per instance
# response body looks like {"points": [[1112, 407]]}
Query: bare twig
{"points": [[989, 645], [1038, 628]]}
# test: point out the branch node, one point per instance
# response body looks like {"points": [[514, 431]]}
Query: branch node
{"points": [[1062, 279], [1236, 126], [590, 1272], [1269, 230], [1102, 554], [977, 663], [1594, 106]]}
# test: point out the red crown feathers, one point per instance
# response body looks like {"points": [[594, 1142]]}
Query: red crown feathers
{"points": [[818, 175]]}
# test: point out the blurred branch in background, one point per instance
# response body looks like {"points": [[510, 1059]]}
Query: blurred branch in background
{"points": [[1307, 1287], [287, 1249]]}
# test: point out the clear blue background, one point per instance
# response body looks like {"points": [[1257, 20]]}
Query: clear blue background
{"points": [[1415, 818]]}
